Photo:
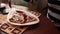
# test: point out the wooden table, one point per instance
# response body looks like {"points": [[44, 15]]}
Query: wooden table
{"points": [[45, 26]]}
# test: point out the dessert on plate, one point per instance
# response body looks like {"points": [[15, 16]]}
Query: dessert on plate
{"points": [[20, 17]]}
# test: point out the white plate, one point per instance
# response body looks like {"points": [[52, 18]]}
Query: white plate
{"points": [[13, 10]]}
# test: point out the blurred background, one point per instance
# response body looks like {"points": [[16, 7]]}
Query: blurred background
{"points": [[39, 5]]}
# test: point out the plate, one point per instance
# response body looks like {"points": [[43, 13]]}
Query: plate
{"points": [[13, 10]]}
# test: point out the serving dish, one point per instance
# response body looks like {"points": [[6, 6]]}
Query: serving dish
{"points": [[13, 10]]}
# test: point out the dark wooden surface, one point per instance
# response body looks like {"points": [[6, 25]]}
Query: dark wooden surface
{"points": [[45, 26], [4, 1]]}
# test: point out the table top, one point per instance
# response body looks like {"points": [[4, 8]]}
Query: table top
{"points": [[45, 26]]}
